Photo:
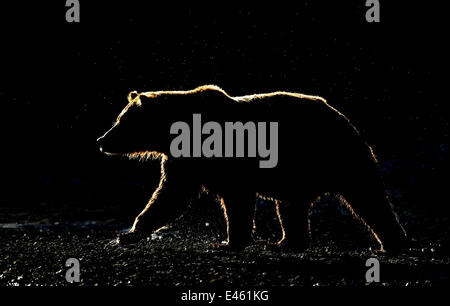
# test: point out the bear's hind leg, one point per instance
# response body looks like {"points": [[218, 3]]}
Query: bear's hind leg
{"points": [[373, 208], [239, 210], [294, 221]]}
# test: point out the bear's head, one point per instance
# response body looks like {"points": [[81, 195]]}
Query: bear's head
{"points": [[142, 129], [137, 131]]}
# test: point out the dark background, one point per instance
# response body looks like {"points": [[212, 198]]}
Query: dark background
{"points": [[62, 85]]}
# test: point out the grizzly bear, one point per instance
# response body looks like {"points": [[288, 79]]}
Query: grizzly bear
{"points": [[318, 151]]}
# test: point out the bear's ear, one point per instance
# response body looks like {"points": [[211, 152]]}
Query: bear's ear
{"points": [[133, 96]]}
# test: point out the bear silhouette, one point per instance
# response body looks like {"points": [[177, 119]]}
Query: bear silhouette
{"points": [[319, 152]]}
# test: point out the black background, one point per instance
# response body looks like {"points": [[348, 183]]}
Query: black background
{"points": [[63, 84]]}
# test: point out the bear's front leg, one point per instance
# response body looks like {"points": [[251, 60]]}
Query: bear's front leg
{"points": [[239, 207], [169, 201]]}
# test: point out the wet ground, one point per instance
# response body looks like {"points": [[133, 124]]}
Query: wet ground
{"points": [[35, 243]]}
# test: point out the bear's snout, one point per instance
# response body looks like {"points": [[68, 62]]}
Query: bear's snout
{"points": [[103, 140], [100, 142]]}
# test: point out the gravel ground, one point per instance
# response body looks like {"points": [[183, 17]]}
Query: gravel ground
{"points": [[34, 248], [33, 252]]}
